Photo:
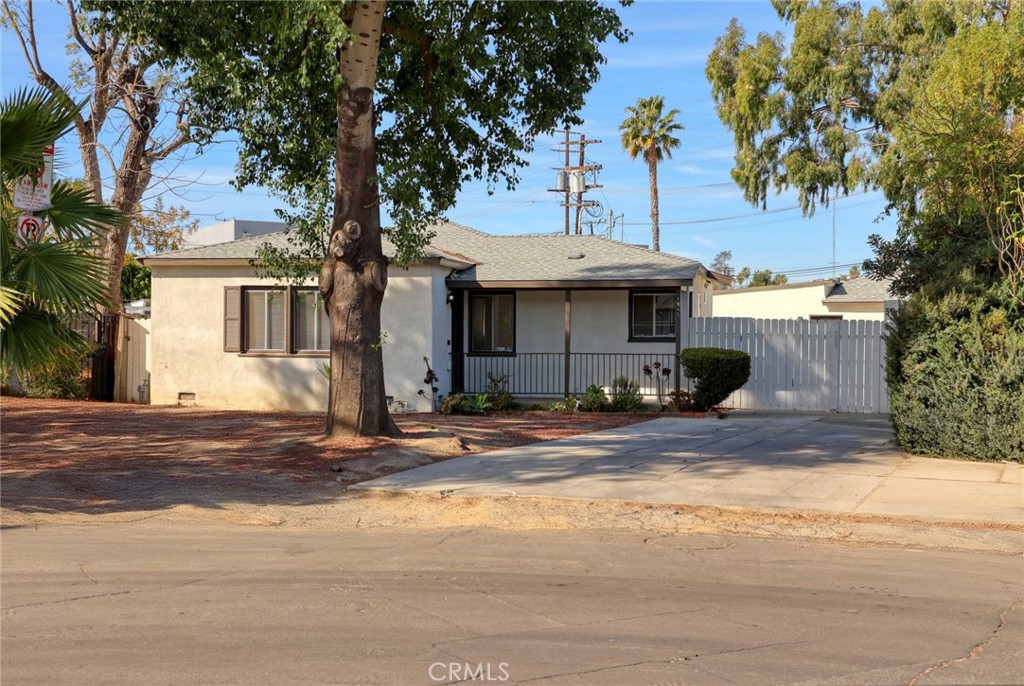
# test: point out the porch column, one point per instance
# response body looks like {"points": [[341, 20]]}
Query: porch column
{"points": [[568, 338], [684, 305]]}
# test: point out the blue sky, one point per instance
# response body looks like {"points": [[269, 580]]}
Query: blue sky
{"points": [[702, 212]]}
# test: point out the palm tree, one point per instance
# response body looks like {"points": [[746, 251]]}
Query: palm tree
{"points": [[46, 282], [649, 133]]}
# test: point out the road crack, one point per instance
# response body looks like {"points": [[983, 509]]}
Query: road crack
{"points": [[975, 651]]}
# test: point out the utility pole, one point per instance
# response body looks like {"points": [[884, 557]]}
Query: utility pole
{"points": [[572, 180], [611, 222]]}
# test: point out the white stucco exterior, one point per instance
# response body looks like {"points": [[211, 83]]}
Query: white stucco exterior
{"points": [[188, 343], [790, 301]]}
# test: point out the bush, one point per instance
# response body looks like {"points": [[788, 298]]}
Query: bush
{"points": [[593, 399], [955, 370], [570, 404], [717, 374], [62, 378], [497, 391], [681, 401], [626, 396], [454, 404]]}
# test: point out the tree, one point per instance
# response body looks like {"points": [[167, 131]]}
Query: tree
{"points": [[854, 273], [742, 276], [721, 263], [647, 132], [764, 277], [343, 107], [922, 100], [47, 281], [130, 93]]}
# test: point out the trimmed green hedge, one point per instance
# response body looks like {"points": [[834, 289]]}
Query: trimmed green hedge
{"points": [[717, 374], [955, 369]]}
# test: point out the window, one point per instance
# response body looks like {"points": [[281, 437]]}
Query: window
{"points": [[492, 323], [264, 319], [311, 328], [652, 316]]}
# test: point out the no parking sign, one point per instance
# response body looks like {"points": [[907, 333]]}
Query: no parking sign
{"points": [[30, 227]]}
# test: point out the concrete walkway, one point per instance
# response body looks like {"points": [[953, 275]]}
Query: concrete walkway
{"points": [[838, 464]]}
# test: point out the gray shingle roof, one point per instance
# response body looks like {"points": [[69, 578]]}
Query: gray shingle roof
{"points": [[506, 258], [862, 289]]}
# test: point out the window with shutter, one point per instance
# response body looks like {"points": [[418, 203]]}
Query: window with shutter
{"points": [[232, 319]]}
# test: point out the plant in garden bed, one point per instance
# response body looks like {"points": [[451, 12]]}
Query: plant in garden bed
{"points": [[681, 401], [717, 374], [497, 392], [660, 375], [593, 399], [570, 404], [626, 395], [430, 380]]}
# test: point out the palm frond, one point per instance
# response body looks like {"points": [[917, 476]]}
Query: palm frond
{"points": [[31, 119], [34, 338], [76, 216], [61, 276]]}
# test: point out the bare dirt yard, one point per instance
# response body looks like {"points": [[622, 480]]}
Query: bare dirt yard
{"points": [[66, 460]]}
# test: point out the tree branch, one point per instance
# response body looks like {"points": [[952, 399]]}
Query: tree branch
{"points": [[76, 31]]}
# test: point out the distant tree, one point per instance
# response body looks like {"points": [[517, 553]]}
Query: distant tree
{"points": [[136, 279], [764, 277], [742, 276], [721, 263], [648, 133], [46, 282], [854, 273]]}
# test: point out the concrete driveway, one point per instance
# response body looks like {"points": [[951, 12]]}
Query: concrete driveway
{"points": [[839, 464]]}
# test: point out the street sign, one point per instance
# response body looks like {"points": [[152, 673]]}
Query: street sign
{"points": [[30, 228], [34, 192]]}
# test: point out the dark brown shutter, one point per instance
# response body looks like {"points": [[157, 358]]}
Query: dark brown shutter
{"points": [[232, 319]]}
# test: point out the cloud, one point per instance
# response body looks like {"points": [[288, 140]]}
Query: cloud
{"points": [[703, 240]]}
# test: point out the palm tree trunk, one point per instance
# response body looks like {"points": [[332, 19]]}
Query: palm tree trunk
{"points": [[652, 166]]}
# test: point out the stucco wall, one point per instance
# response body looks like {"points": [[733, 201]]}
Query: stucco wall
{"points": [[776, 303], [188, 343]]}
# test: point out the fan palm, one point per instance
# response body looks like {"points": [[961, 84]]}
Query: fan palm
{"points": [[647, 132], [46, 282]]}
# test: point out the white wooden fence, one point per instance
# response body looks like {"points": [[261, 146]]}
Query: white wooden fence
{"points": [[796, 364]]}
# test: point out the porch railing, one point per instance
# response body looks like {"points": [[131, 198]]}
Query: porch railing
{"points": [[544, 374]]}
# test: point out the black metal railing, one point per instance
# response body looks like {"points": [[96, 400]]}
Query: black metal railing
{"points": [[544, 374]]}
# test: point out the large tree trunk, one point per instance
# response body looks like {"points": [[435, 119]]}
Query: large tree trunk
{"points": [[652, 166], [354, 275]]}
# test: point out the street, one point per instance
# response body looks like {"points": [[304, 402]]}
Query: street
{"points": [[157, 603]]}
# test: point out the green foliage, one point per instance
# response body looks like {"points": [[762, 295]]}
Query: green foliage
{"points": [[454, 404], [462, 92], [136, 280], [477, 404], [625, 395], [570, 404], [593, 399], [921, 100], [681, 401], [45, 283], [498, 394], [955, 370], [716, 372], [59, 378], [764, 277]]}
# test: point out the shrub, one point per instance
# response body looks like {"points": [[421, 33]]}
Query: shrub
{"points": [[593, 399], [454, 404], [955, 370], [681, 401], [626, 396], [477, 404], [570, 404], [717, 374], [61, 378], [497, 391]]}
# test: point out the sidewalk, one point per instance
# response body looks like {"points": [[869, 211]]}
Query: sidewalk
{"points": [[834, 464]]}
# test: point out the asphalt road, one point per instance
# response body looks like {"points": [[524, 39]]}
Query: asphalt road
{"points": [[155, 604]]}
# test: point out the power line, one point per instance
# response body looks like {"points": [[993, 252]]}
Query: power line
{"points": [[710, 220]]}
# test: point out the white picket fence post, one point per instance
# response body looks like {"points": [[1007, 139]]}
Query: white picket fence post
{"points": [[796, 364]]}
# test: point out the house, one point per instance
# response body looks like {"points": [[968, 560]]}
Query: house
{"points": [[859, 298], [544, 314]]}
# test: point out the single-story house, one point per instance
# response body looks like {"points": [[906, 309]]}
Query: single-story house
{"points": [[546, 314], [859, 298]]}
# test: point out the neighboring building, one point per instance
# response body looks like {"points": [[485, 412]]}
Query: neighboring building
{"points": [[550, 312], [230, 230], [860, 298]]}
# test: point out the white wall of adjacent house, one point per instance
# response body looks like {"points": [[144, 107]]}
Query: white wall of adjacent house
{"points": [[189, 363], [791, 301]]}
